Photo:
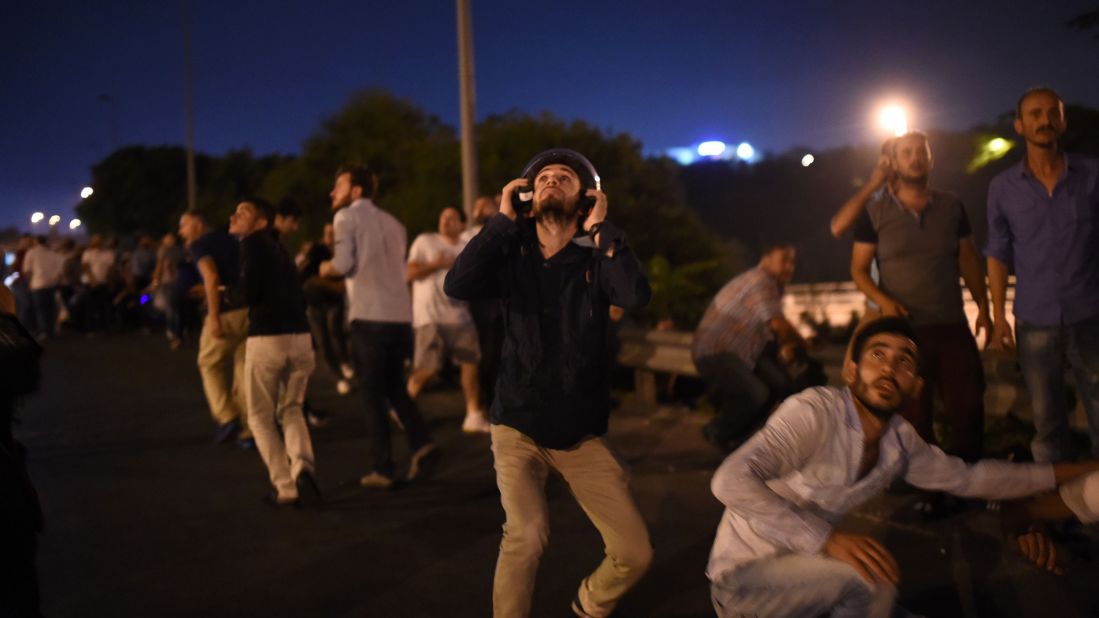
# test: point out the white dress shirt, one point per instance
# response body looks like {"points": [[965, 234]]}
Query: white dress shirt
{"points": [[787, 486]]}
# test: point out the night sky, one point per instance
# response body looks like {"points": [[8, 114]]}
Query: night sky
{"points": [[76, 76]]}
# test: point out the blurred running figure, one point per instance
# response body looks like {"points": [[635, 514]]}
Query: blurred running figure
{"points": [[557, 273], [225, 329], [279, 357], [370, 252], [1043, 218], [444, 326]]}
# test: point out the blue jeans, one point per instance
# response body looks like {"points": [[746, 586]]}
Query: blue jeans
{"points": [[800, 585], [1042, 354]]}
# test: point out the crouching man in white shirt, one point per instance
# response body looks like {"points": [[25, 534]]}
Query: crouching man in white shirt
{"points": [[821, 454]]}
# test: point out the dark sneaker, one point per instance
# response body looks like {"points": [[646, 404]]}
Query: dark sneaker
{"points": [[308, 493], [423, 462], [227, 432], [273, 500]]}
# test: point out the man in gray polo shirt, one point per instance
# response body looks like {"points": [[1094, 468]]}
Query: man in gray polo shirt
{"points": [[922, 242]]}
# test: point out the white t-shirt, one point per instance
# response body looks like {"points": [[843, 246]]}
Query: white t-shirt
{"points": [[430, 304], [45, 266], [99, 262]]}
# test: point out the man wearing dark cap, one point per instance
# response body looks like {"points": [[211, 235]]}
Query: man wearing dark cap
{"points": [[556, 272]]}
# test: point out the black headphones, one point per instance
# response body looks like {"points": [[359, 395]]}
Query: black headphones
{"points": [[523, 200]]}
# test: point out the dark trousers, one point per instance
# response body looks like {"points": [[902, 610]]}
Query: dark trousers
{"points": [[45, 309], [489, 320], [99, 308], [743, 395], [326, 320], [950, 366], [380, 350]]}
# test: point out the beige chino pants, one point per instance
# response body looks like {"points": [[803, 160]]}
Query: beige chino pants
{"points": [[275, 362], [600, 484], [225, 396]]}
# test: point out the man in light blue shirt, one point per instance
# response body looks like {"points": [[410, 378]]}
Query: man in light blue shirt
{"points": [[1043, 219], [370, 252]]}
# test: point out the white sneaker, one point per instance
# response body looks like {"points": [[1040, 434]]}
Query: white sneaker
{"points": [[376, 480], [347, 371], [475, 422], [343, 387]]}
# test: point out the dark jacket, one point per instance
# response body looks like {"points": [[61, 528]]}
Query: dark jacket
{"points": [[270, 287], [552, 384]]}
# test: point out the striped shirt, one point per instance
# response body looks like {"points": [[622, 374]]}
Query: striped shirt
{"points": [[738, 319]]}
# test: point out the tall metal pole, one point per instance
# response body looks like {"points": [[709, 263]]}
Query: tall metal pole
{"points": [[467, 95], [188, 105]]}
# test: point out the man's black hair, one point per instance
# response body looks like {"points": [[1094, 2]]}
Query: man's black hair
{"points": [[1036, 90], [890, 325], [771, 247], [461, 213], [42, 239], [264, 209], [288, 208], [361, 176]]}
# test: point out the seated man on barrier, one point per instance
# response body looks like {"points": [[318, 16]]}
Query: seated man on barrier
{"points": [[823, 453], [743, 346]]}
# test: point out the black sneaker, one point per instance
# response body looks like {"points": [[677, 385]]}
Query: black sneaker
{"points": [[308, 493], [227, 432], [272, 500]]}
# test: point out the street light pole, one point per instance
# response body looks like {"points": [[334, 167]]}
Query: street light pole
{"points": [[467, 96], [188, 106]]}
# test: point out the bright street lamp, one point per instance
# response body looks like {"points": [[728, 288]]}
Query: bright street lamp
{"points": [[894, 119], [75, 223], [86, 192], [745, 152], [55, 219], [807, 160], [36, 217]]}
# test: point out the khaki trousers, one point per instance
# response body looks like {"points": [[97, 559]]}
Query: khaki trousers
{"points": [[226, 398], [600, 484], [273, 362]]}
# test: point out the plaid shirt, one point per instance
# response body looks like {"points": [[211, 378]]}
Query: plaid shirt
{"points": [[738, 319]]}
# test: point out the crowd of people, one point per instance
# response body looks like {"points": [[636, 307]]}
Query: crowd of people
{"points": [[521, 304]]}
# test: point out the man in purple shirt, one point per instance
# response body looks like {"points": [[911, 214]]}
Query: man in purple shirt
{"points": [[1043, 218]]}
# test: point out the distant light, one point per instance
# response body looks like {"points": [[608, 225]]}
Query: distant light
{"points": [[86, 192], [807, 160], [9, 258], [75, 223], [711, 149], [683, 156], [144, 299], [55, 219], [11, 279], [36, 217], [894, 119], [998, 145], [989, 149], [745, 152]]}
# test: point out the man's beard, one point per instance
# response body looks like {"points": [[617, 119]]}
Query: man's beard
{"points": [[554, 210], [919, 180], [861, 392]]}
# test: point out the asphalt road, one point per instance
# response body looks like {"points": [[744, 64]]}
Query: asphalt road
{"points": [[145, 517]]}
